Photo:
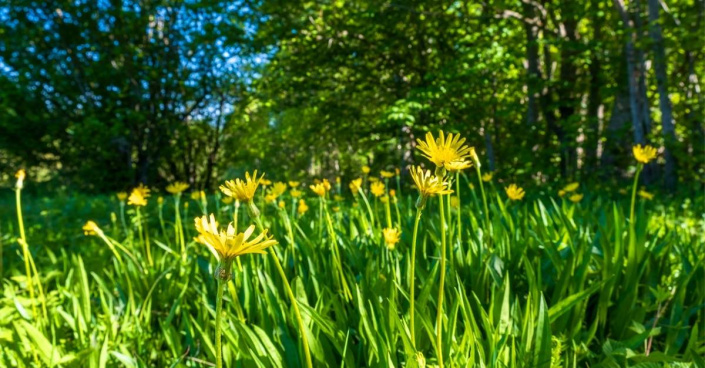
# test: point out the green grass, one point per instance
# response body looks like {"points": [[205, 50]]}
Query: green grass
{"points": [[547, 283]]}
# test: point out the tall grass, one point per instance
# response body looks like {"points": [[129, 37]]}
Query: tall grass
{"points": [[562, 285]]}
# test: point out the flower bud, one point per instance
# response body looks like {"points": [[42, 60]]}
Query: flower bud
{"points": [[252, 210]]}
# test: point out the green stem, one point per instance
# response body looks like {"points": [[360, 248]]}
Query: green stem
{"points": [[439, 316], [484, 200], [292, 299], [412, 275], [636, 183], [457, 193], [218, 323], [25, 249], [369, 209]]}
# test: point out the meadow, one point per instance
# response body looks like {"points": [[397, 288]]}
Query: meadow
{"points": [[442, 266]]}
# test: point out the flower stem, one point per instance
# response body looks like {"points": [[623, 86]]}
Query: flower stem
{"points": [[412, 275], [292, 299], [25, 249], [439, 316], [218, 323]]}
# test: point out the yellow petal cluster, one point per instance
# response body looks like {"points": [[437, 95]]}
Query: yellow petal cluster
{"points": [[242, 190], [377, 188], [302, 207], [20, 175], [386, 174], [427, 183], [444, 149], [514, 192], [355, 185], [227, 244], [576, 197], [487, 177], [391, 237], [644, 154], [177, 187], [138, 196]]}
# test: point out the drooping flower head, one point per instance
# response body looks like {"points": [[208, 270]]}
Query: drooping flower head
{"points": [[386, 174], [576, 197], [227, 244], [514, 192], [644, 154], [302, 207], [444, 149], [177, 187], [646, 195], [138, 196], [377, 188], [460, 165], [391, 237], [242, 190], [91, 228], [20, 175], [319, 189], [355, 185], [427, 184]]}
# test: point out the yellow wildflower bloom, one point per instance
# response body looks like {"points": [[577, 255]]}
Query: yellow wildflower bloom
{"points": [[278, 188], [427, 183], [514, 192], [444, 149], [487, 177], [91, 228], [454, 202], [295, 193], [644, 154], [397, 171], [338, 198], [282, 204], [391, 237], [226, 244], [459, 165], [326, 184], [373, 179], [377, 188], [227, 200], [265, 182], [355, 185], [302, 207], [121, 196], [384, 199], [269, 197], [572, 187], [139, 196], [576, 197], [319, 189], [336, 209], [366, 169], [160, 200], [177, 187], [242, 190], [20, 175], [386, 174], [196, 195], [294, 184]]}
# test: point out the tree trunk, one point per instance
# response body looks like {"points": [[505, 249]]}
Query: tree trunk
{"points": [[592, 131], [532, 58], [667, 126]]}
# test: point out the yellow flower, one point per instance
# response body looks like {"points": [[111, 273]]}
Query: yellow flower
{"points": [[384, 199], [294, 184], [561, 192], [316, 181], [227, 200], [377, 188], [397, 171], [459, 165], [264, 181], [392, 192], [326, 184], [365, 169], [336, 209], [338, 198], [386, 174], [444, 150], [576, 197], [295, 193], [391, 237], [139, 196], [282, 204], [176, 187], [121, 196], [646, 195], [514, 192], [319, 189], [242, 190], [160, 200], [355, 185], [20, 175], [91, 228], [427, 183], [278, 189], [195, 195], [644, 154], [226, 244], [373, 179], [269, 197], [571, 187], [337, 179], [487, 177], [302, 207]]}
